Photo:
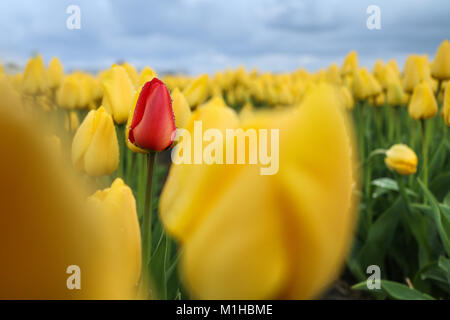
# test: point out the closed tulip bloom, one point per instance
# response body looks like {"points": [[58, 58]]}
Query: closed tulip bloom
{"points": [[417, 70], [181, 108], [361, 85], [423, 103], [35, 78], [446, 108], [95, 149], [283, 236], [395, 94], [146, 75], [197, 91], [350, 63], [70, 92], [118, 94], [55, 72], [347, 98], [401, 159], [115, 207], [132, 73], [440, 68], [153, 125], [72, 122]]}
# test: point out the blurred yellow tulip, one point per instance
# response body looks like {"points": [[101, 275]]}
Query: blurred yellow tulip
{"points": [[132, 73], [197, 91], [55, 72], [347, 98], [180, 107], [71, 93], [116, 208], [402, 159], [45, 231], [350, 63], [423, 103], [146, 75], [118, 93], [440, 68], [72, 123], [95, 149], [266, 237], [35, 78], [395, 94], [446, 107]]}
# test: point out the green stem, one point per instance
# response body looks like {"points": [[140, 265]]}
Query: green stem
{"points": [[424, 155], [147, 219]]}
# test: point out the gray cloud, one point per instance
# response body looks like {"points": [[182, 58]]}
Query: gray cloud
{"points": [[202, 36]]}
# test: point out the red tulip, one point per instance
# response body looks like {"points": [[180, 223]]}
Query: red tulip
{"points": [[153, 124]]}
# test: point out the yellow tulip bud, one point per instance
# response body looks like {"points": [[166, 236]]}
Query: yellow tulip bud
{"points": [[395, 94], [379, 100], [35, 79], [46, 226], [197, 91], [115, 207], [72, 122], [402, 159], [350, 63], [181, 108], [69, 94], [423, 103], [146, 75], [95, 149], [132, 73], [267, 237], [417, 70], [440, 69], [446, 108], [361, 85], [55, 72], [347, 98], [118, 94]]}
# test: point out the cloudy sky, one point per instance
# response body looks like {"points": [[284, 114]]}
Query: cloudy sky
{"points": [[205, 35]]}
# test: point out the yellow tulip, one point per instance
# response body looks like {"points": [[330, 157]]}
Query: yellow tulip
{"points": [[417, 70], [379, 100], [95, 149], [347, 98], [266, 237], [118, 94], [115, 207], [55, 72], [440, 69], [72, 122], [35, 78], [446, 107], [361, 85], [45, 225], [71, 94], [197, 91], [246, 111], [395, 94], [350, 63], [423, 103], [146, 75], [402, 159], [181, 108], [132, 73]]}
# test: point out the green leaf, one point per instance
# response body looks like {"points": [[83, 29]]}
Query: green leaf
{"points": [[391, 185], [440, 185], [438, 159], [402, 292], [380, 235], [438, 217], [395, 290]]}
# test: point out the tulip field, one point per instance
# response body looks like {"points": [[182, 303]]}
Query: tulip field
{"points": [[241, 184]]}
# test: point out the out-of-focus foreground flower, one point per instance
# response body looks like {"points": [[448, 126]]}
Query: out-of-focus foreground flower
{"points": [[248, 236], [45, 226]]}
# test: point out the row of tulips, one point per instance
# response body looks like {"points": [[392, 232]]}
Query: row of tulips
{"points": [[231, 232]]}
